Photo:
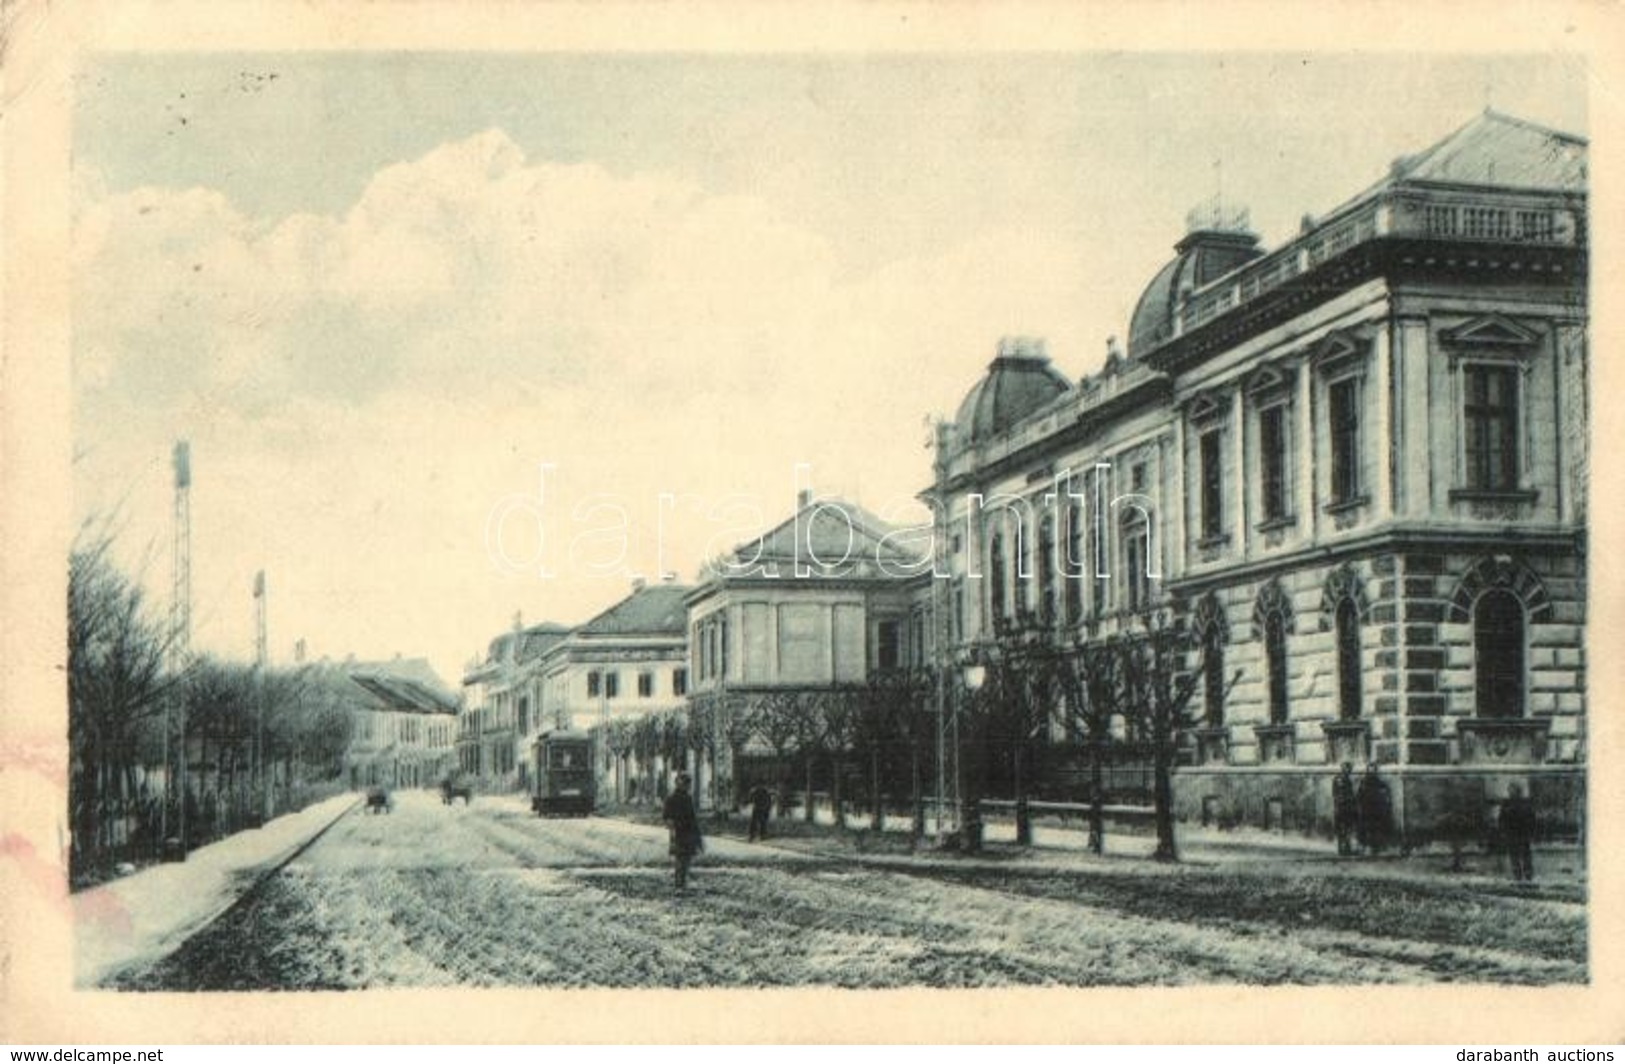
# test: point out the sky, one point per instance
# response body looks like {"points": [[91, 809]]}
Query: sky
{"points": [[437, 325]]}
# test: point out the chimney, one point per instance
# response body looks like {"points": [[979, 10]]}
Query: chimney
{"points": [[803, 499], [637, 584]]}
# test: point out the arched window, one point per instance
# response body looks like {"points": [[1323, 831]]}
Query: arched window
{"points": [[1046, 573], [1136, 565], [1348, 660], [1275, 657], [1498, 654]]}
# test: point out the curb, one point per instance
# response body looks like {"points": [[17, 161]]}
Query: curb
{"points": [[109, 978]]}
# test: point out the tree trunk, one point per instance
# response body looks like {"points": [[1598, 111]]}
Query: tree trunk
{"points": [[1163, 795], [1024, 824], [836, 800], [1097, 801], [879, 821], [807, 800], [916, 798]]}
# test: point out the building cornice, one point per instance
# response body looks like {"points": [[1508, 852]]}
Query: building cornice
{"points": [[1400, 538]]}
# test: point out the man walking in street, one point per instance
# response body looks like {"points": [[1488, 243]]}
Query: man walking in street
{"points": [[761, 805], [684, 827], [1345, 810], [1517, 824]]}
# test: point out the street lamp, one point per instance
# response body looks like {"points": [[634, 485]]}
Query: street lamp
{"points": [[975, 674]]}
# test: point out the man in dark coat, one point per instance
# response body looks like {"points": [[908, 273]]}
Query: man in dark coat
{"points": [[1345, 810], [761, 806], [684, 827], [1517, 824], [1376, 810]]}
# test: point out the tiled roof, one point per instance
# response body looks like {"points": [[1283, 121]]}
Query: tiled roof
{"points": [[405, 685], [1499, 150], [655, 609], [825, 535], [538, 638], [1493, 151]]}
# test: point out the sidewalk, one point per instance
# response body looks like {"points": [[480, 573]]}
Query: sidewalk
{"points": [[147, 914], [1560, 870]]}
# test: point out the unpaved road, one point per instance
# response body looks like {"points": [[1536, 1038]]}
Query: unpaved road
{"points": [[491, 896]]}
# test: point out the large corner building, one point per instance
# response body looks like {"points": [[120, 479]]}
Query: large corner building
{"points": [[1354, 464]]}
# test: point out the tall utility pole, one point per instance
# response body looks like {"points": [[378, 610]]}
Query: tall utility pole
{"points": [[180, 634], [261, 663], [942, 436]]}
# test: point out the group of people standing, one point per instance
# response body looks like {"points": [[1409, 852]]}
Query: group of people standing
{"points": [[1363, 813], [1364, 819]]}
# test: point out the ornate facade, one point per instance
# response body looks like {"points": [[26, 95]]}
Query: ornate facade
{"points": [[1355, 463]]}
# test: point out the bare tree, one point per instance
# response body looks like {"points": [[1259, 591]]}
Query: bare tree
{"points": [[1021, 695], [809, 738], [839, 711], [1091, 677], [734, 730], [884, 706], [118, 684], [1158, 686], [776, 718]]}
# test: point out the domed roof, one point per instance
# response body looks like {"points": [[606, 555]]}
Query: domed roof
{"points": [[1019, 381], [1203, 256]]}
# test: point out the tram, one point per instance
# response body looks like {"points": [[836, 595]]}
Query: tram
{"points": [[564, 783]]}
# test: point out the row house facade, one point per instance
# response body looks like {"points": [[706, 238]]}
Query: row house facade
{"points": [[1355, 465], [403, 722], [629, 661], [504, 695]]}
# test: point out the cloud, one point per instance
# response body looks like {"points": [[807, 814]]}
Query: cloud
{"points": [[361, 389]]}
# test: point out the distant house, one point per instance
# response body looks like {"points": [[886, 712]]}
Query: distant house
{"points": [[404, 722], [504, 705], [629, 661]]}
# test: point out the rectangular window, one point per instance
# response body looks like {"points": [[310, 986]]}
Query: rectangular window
{"points": [[1272, 456], [1212, 486], [1077, 567], [679, 682], [1491, 415], [612, 684], [887, 645], [595, 681], [1097, 579], [1343, 400], [1046, 574], [646, 684]]}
